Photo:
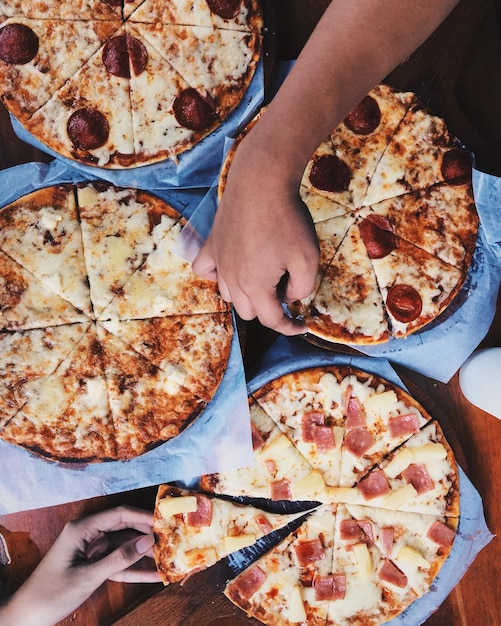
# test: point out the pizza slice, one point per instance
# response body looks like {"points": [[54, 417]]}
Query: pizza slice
{"points": [[363, 135], [120, 227], [83, 10], [217, 63], [421, 476], [25, 303], [67, 417], [379, 417], [421, 153], [279, 472], [38, 55], [308, 407], [193, 350], [321, 207], [416, 286], [226, 14], [348, 307], [295, 581], [27, 358], [41, 232], [163, 286], [194, 531], [441, 219], [148, 406], [89, 117], [168, 115]]}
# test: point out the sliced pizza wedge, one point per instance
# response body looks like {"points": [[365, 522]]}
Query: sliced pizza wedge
{"points": [[61, 9], [321, 207], [348, 307], [27, 358], [194, 531], [148, 406], [163, 286], [295, 581], [228, 14], [421, 153], [279, 472], [416, 286], [193, 350], [425, 219], [67, 417], [120, 227], [218, 63], [41, 232], [37, 56], [89, 117], [26, 303]]}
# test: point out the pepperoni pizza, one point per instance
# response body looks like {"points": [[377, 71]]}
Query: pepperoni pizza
{"points": [[128, 83], [82, 377], [380, 486], [390, 194]]}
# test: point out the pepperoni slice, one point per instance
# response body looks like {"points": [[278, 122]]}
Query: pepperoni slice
{"points": [[456, 165], [329, 173], [121, 52], [18, 44], [404, 303], [227, 9], [193, 111], [365, 117], [377, 235], [88, 129]]}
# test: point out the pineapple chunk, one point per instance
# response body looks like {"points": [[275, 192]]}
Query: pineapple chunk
{"points": [[429, 452], [201, 557], [400, 461], [410, 556], [237, 542], [379, 402], [364, 559], [310, 484], [348, 495], [172, 506], [400, 497], [296, 606], [275, 447]]}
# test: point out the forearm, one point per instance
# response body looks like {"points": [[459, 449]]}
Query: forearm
{"points": [[354, 46]]}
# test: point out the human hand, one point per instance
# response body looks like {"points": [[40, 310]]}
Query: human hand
{"points": [[110, 545], [262, 249]]}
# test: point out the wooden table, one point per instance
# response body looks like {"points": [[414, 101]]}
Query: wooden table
{"points": [[458, 72]]}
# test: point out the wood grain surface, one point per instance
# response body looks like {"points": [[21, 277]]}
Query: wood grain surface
{"points": [[458, 73]]}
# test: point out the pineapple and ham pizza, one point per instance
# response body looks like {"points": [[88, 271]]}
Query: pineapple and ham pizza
{"points": [[377, 484]]}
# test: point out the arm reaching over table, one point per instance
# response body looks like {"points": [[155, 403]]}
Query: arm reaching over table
{"points": [[263, 249], [111, 545]]}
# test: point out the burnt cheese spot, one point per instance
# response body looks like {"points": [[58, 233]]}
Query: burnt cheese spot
{"points": [[88, 129], [227, 9], [18, 44], [364, 118], [404, 303], [193, 111], [377, 235], [329, 173]]}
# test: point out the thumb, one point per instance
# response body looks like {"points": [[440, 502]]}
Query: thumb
{"points": [[204, 264]]}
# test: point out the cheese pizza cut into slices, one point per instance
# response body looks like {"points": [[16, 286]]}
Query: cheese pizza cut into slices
{"points": [[421, 153], [164, 285], [192, 350], [120, 227], [416, 285], [89, 117], [226, 14], [168, 114], [37, 56], [294, 582], [26, 303], [308, 407], [67, 417], [347, 307], [27, 358], [279, 472], [218, 63], [379, 416], [193, 531], [361, 138], [42, 233], [148, 406], [425, 219], [61, 9]]}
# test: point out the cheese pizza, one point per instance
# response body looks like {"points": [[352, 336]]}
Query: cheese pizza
{"points": [[84, 379], [126, 84], [376, 485], [390, 195]]}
